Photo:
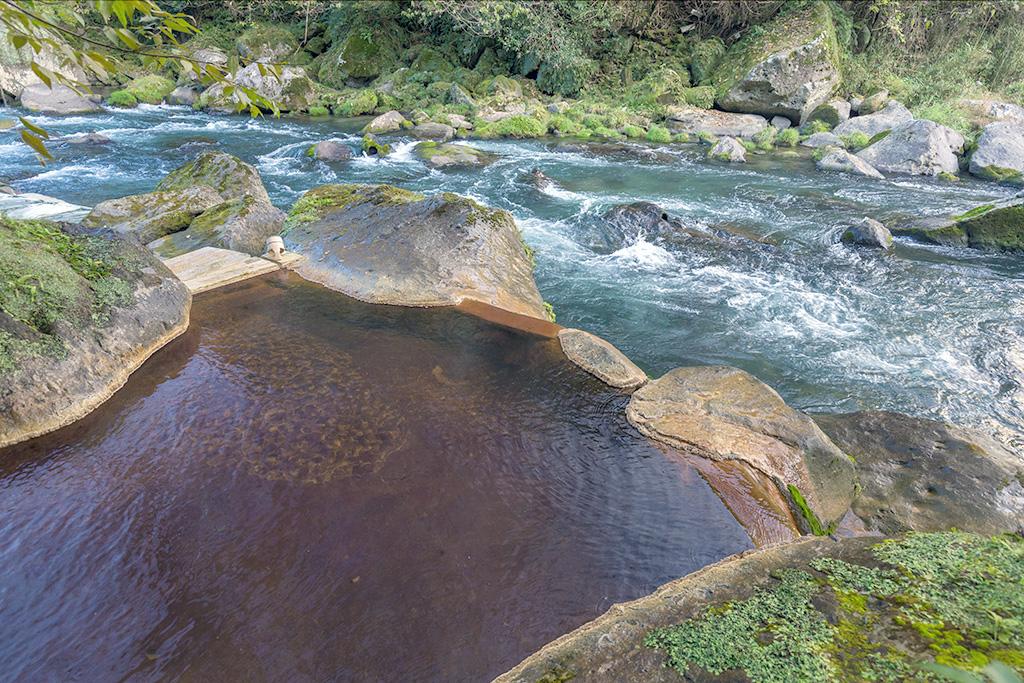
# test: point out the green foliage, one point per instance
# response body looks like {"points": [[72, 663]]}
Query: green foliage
{"points": [[122, 98], [358, 103], [519, 126], [318, 110], [816, 126], [855, 141], [813, 523], [631, 131], [151, 89], [764, 139], [549, 311], [704, 56], [371, 146], [562, 125], [658, 133], [788, 138], [702, 97]]}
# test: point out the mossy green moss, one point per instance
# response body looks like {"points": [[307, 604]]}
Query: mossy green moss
{"points": [[997, 228], [325, 199], [764, 139], [814, 525], [704, 56], [1001, 175], [702, 97], [950, 597], [151, 89], [788, 138], [122, 98], [519, 126], [375, 148], [975, 212], [659, 134], [265, 40], [357, 103], [318, 110], [856, 141]]}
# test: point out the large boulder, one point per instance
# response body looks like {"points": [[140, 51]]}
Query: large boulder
{"points": [[989, 226], [330, 150], [431, 130], [724, 413], [241, 224], [96, 305], [442, 155], [994, 110], [831, 113], [844, 162], [1000, 153], [694, 121], [357, 59], [868, 233], [152, 215], [184, 95], [855, 609], [923, 475], [16, 65], [823, 139], [624, 224], [60, 99], [231, 177], [291, 90], [917, 147], [386, 123], [881, 121], [601, 359], [266, 43], [788, 68], [382, 244]]}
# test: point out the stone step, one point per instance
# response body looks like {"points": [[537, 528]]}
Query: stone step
{"points": [[211, 267]]}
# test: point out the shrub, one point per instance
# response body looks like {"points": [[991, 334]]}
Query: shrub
{"points": [[121, 98], [703, 96], [816, 126], [788, 138], [855, 141], [764, 139], [318, 110], [631, 131], [659, 134], [150, 89]]}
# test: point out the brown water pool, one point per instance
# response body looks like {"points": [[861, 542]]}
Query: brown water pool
{"points": [[308, 488]]}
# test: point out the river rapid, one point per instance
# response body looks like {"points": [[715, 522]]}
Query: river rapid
{"points": [[930, 331]]}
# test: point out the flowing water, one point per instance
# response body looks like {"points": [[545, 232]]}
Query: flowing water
{"points": [[305, 487], [930, 331]]}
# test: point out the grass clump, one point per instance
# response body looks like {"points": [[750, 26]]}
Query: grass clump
{"points": [[813, 523], [815, 126], [856, 141], [788, 138], [325, 199], [122, 98], [658, 134], [518, 126], [151, 89]]}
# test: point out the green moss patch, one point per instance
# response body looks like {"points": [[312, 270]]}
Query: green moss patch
{"points": [[150, 89], [997, 228], [950, 598], [325, 199], [122, 98]]}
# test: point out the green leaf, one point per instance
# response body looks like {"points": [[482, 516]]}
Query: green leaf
{"points": [[34, 128], [18, 41], [43, 75], [36, 144]]}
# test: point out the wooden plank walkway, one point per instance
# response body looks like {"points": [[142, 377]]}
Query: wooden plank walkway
{"points": [[210, 267]]}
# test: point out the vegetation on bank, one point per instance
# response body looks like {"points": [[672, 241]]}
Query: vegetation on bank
{"points": [[947, 599]]}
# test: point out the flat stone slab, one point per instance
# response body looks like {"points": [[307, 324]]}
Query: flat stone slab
{"points": [[211, 267], [601, 359], [30, 206]]}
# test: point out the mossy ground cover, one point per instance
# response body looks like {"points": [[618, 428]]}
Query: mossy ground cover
{"points": [[325, 199], [53, 283], [950, 598]]}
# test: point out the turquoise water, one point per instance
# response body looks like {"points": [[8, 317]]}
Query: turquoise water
{"points": [[925, 330]]}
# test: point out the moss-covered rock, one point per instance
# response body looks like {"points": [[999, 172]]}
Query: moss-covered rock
{"points": [[786, 67], [361, 57], [152, 215], [357, 103], [565, 80], [122, 98], [442, 155], [231, 177], [1000, 153], [997, 227], [241, 224], [372, 147], [290, 90], [518, 126], [388, 122], [80, 309], [151, 89], [704, 57], [266, 42]]}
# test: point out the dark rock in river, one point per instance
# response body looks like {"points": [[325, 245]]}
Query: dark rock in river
{"points": [[724, 413], [329, 150], [69, 348], [152, 215], [922, 475], [386, 245], [87, 139], [868, 233], [624, 224]]}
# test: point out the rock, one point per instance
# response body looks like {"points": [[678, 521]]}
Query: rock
{"points": [[724, 413], [868, 233], [763, 615], [458, 95], [874, 103], [997, 227], [559, 107], [458, 121], [888, 118], [855, 105], [16, 65], [184, 95], [728, 149], [381, 244], [922, 475], [601, 359], [781, 122], [539, 180], [358, 59], [844, 162], [372, 147], [67, 352], [209, 55], [87, 139], [787, 69], [329, 150], [152, 215], [441, 155], [386, 123], [694, 121], [823, 140], [7, 189], [1000, 153], [241, 224], [624, 224], [433, 131], [231, 177], [291, 89], [266, 43], [916, 147], [832, 112], [994, 110], [59, 100]]}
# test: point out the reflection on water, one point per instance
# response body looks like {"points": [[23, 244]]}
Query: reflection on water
{"points": [[305, 487]]}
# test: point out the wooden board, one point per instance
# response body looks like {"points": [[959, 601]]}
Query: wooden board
{"points": [[208, 268]]}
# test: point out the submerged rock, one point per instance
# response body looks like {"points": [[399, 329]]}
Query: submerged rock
{"points": [[871, 125], [724, 413], [922, 475], [106, 306], [869, 233], [231, 177], [601, 359], [990, 226], [442, 155], [60, 99], [728, 149], [844, 162], [694, 121], [916, 147], [787, 69], [812, 610], [329, 150], [386, 245], [185, 95], [1000, 153], [152, 215], [88, 139], [626, 223], [241, 224]]}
